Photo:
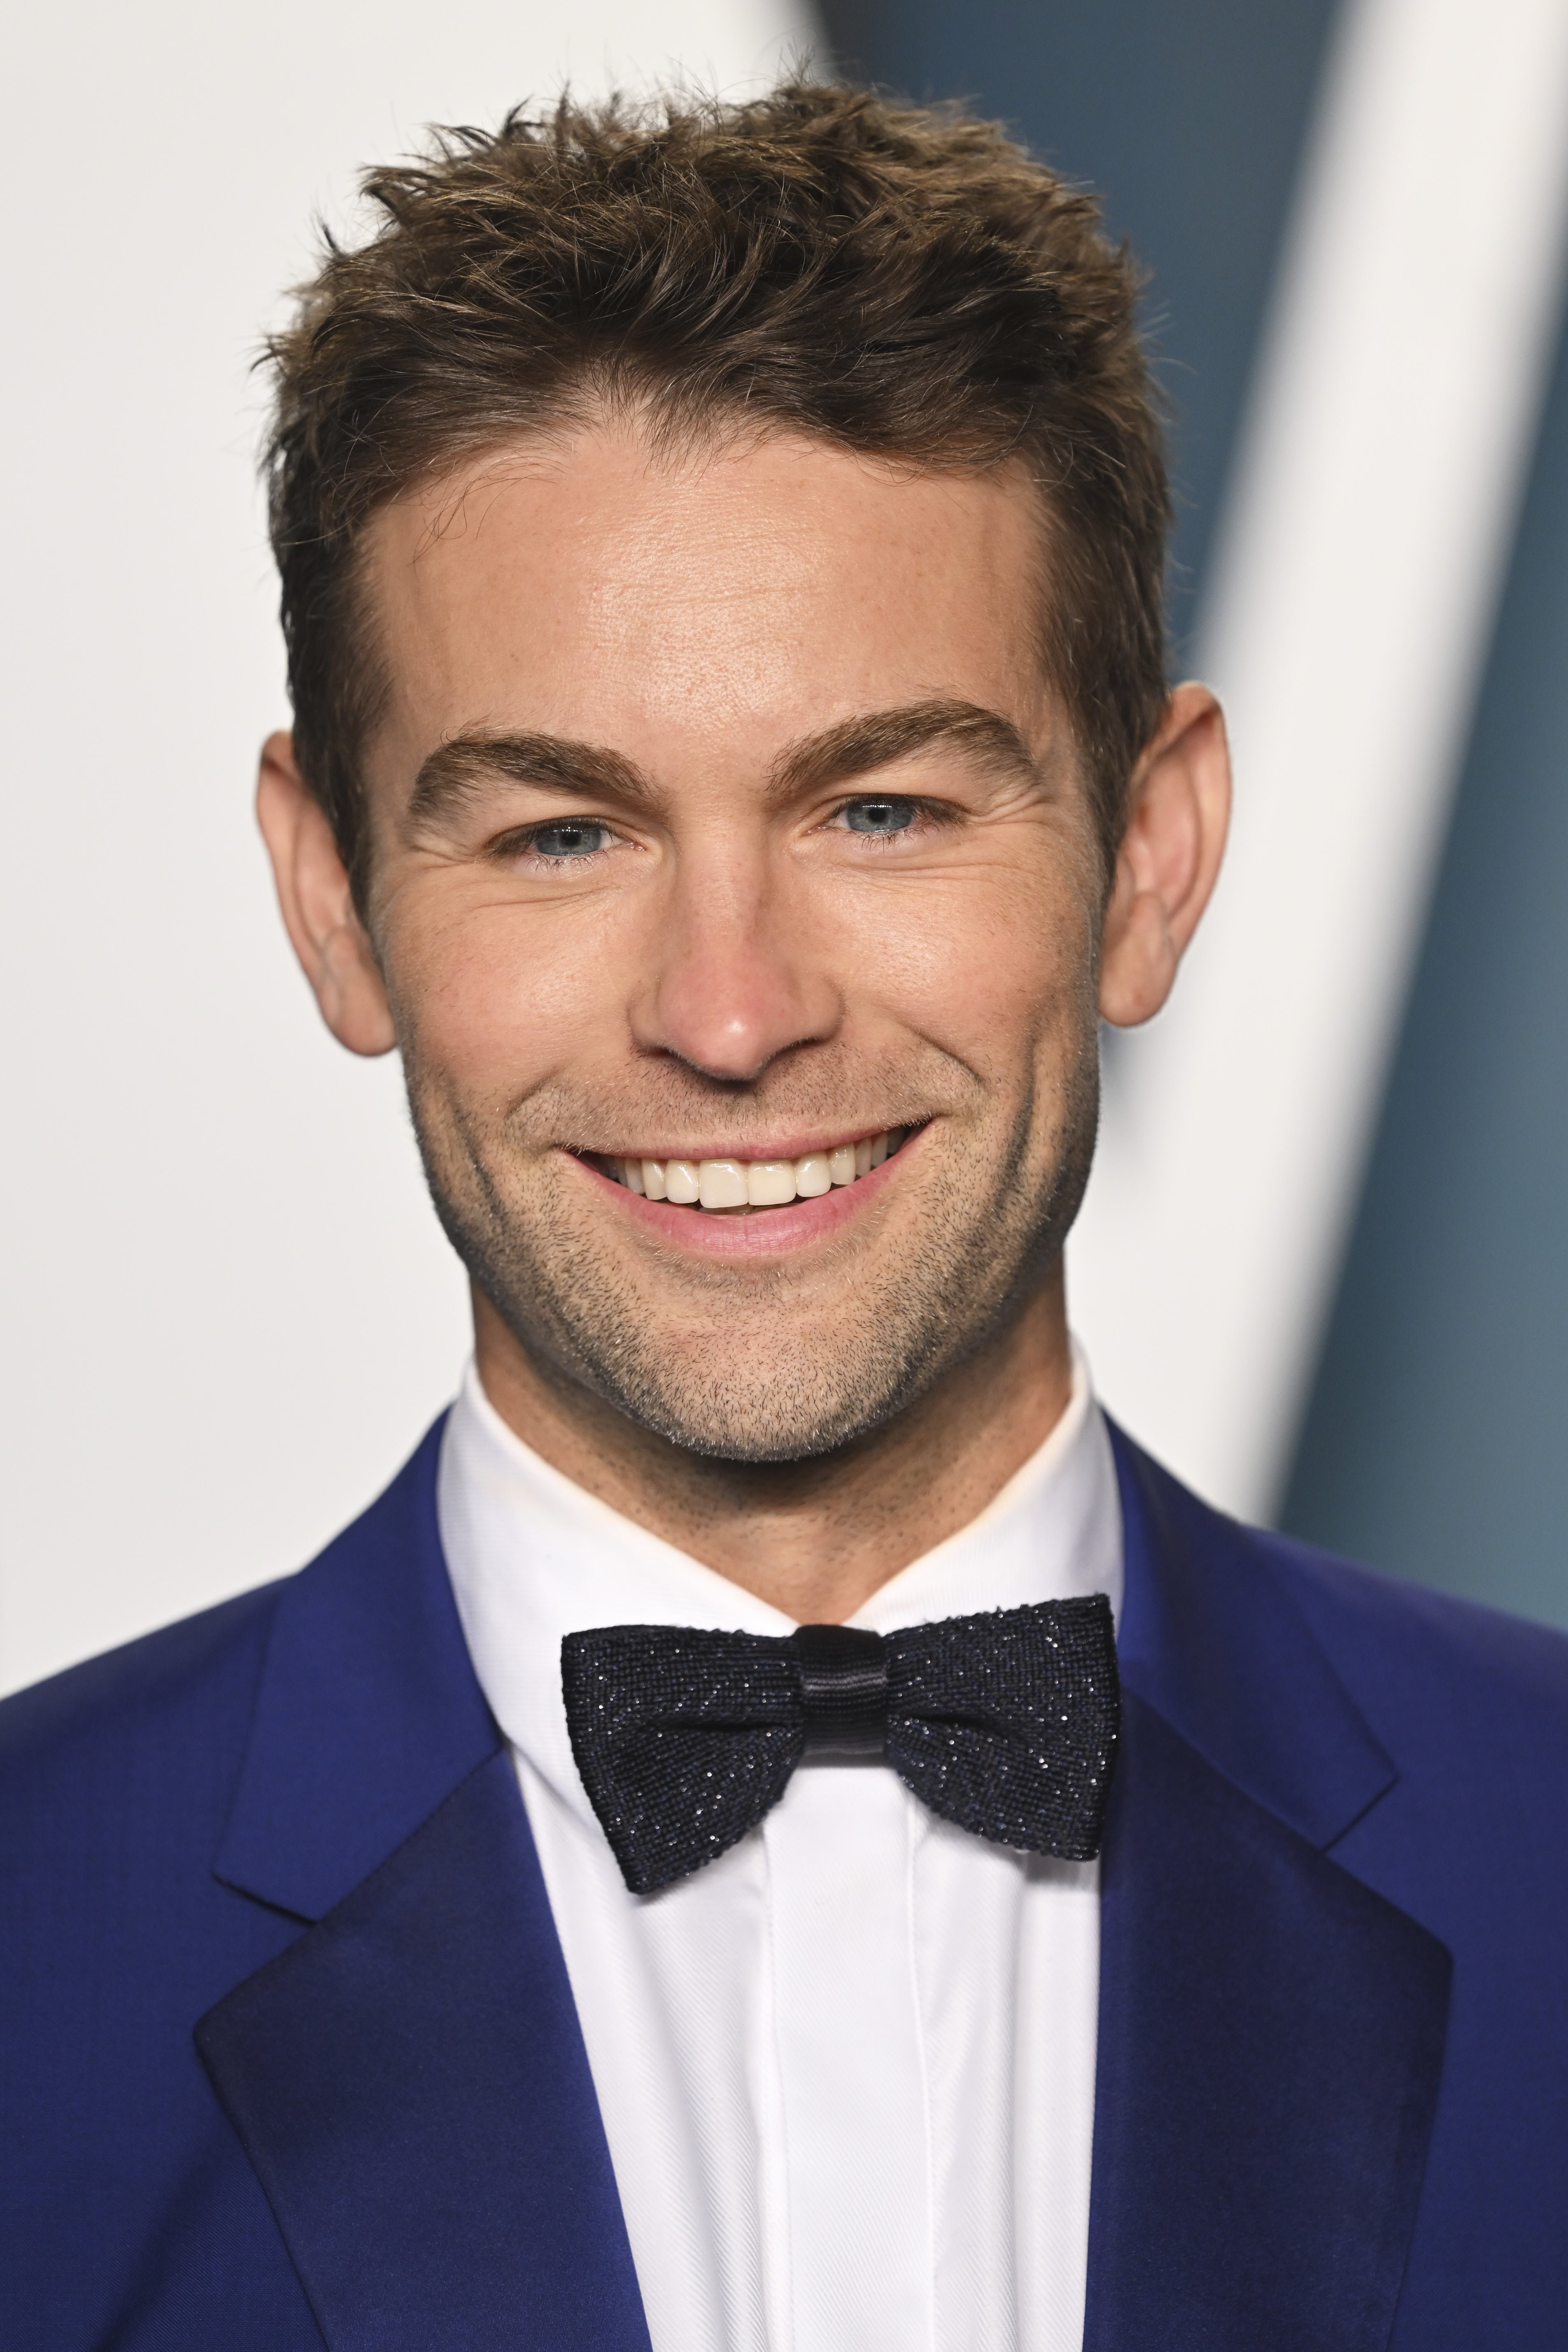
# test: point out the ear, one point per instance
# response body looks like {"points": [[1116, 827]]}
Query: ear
{"points": [[1178, 815], [332, 943]]}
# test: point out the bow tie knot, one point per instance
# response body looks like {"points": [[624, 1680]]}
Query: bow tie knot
{"points": [[1005, 1723], [843, 1689]]}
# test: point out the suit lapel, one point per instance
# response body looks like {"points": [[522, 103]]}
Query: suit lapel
{"points": [[368, 1713], [1271, 2028], [410, 2083], [408, 2077]]}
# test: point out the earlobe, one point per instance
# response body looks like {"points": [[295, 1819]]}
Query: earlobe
{"points": [[316, 904], [1178, 816]]}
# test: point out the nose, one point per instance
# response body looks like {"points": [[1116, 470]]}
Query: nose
{"points": [[737, 977]]}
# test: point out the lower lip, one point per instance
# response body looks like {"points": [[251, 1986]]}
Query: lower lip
{"points": [[763, 1232]]}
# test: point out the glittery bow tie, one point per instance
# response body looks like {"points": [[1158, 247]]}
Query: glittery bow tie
{"points": [[1003, 1722]]}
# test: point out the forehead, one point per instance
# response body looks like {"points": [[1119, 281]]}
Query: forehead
{"points": [[592, 585]]}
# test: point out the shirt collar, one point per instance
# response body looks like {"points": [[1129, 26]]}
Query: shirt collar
{"points": [[534, 1556]]}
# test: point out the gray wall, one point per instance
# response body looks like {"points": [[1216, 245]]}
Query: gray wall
{"points": [[1435, 1442]]}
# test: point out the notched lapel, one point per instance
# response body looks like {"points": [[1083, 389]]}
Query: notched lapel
{"points": [[409, 2081], [368, 1713], [1270, 2043]]}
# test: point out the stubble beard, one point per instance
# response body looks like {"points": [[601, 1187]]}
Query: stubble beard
{"points": [[722, 1373]]}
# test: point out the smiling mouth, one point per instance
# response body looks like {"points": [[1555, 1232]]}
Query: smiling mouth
{"points": [[729, 1187]]}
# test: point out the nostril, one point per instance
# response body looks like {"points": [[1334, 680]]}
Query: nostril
{"points": [[734, 1071]]}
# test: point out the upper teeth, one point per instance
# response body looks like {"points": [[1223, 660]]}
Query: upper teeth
{"points": [[754, 1183]]}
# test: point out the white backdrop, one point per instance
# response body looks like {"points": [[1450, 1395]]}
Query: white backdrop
{"points": [[228, 1308]]}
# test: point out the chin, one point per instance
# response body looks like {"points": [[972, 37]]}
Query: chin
{"points": [[715, 1404]]}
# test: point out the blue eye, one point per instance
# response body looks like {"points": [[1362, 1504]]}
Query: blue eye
{"points": [[880, 816], [572, 838]]}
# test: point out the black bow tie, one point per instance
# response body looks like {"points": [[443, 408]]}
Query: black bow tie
{"points": [[1003, 1722]]}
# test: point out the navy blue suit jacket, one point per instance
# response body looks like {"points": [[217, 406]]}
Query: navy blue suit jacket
{"points": [[289, 2054]]}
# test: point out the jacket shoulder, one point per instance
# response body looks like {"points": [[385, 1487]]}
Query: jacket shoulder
{"points": [[1476, 1698], [194, 1683], [1424, 1665], [156, 1710], [1377, 1620]]}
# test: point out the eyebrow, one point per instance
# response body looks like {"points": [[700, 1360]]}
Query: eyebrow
{"points": [[461, 768], [457, 770], [859, 746]]}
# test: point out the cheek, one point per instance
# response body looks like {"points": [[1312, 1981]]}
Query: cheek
{"points": [[993, 966], [499, 999]]}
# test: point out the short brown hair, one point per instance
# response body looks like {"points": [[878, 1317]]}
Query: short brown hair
{"points": [[903, 282]]}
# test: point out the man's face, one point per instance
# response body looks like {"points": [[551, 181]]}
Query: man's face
{"points": [[722, 813]]}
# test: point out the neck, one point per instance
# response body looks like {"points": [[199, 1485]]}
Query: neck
{"points": [[815, 1538]]}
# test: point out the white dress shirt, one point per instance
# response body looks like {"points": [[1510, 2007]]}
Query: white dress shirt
{"points": [[847, 2071]]}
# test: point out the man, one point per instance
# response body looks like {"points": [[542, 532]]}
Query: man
{"points": [[733, 764]]}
